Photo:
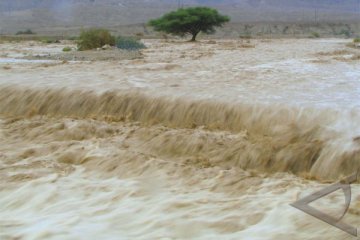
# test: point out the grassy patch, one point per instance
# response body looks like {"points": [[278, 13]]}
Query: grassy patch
{"points": [[50, 40], [67, 49]]}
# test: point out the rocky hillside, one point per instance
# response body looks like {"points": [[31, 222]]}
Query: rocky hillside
{"points": [[21, 14]]}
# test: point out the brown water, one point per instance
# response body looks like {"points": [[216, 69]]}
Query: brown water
{"points": [[81, 160]]}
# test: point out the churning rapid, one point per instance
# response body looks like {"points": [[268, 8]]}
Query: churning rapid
{"points": [[130, 163], [312, 142]]}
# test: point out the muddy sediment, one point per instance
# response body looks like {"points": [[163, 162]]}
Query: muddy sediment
{"points": [[176, 145]]}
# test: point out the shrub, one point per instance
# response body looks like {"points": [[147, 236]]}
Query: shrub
{"points": [[66, 49], [315, 35], [345, 32], [26, 32], [95, 38], [73, 38], [129, 43], [357, 40], [246, 36], [49, 40]]}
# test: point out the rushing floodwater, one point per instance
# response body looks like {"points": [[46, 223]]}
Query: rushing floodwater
{"points": [[207, 141]]}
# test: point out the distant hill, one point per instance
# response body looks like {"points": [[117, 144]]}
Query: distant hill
{"points": [[333, 5], [21, 14]]}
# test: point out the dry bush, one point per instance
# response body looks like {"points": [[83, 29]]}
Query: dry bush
{"points": [[95, 38], [7, 67]]}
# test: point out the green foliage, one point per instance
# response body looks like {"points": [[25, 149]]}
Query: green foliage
{"points": [[67, 49], [95, 38], [50, 40], [345, 32], [129, 43], [190, 21], [26, 32], [356, 40], [72, 38], [315, 35]]}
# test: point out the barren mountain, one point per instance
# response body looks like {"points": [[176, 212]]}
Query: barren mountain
{"points": [[20, 14]]}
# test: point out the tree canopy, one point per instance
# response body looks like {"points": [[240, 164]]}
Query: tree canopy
{"points": [[190, 21]]}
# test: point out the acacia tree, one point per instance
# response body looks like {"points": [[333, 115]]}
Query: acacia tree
{"points": [[190, 21]]}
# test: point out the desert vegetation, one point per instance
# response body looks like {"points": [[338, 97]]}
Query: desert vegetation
{"points": [[315, 35], [190, 21], [67, 49], [95, 38], [129, 43], [355, 43], [345, 32], [49, 40], [26, 32], [100, 38]]}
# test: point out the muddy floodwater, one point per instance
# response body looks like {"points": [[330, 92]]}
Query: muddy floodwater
{"points": [[207, 140]]}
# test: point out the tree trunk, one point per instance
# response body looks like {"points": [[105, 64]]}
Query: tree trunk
{"points": [[193, 39]]}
